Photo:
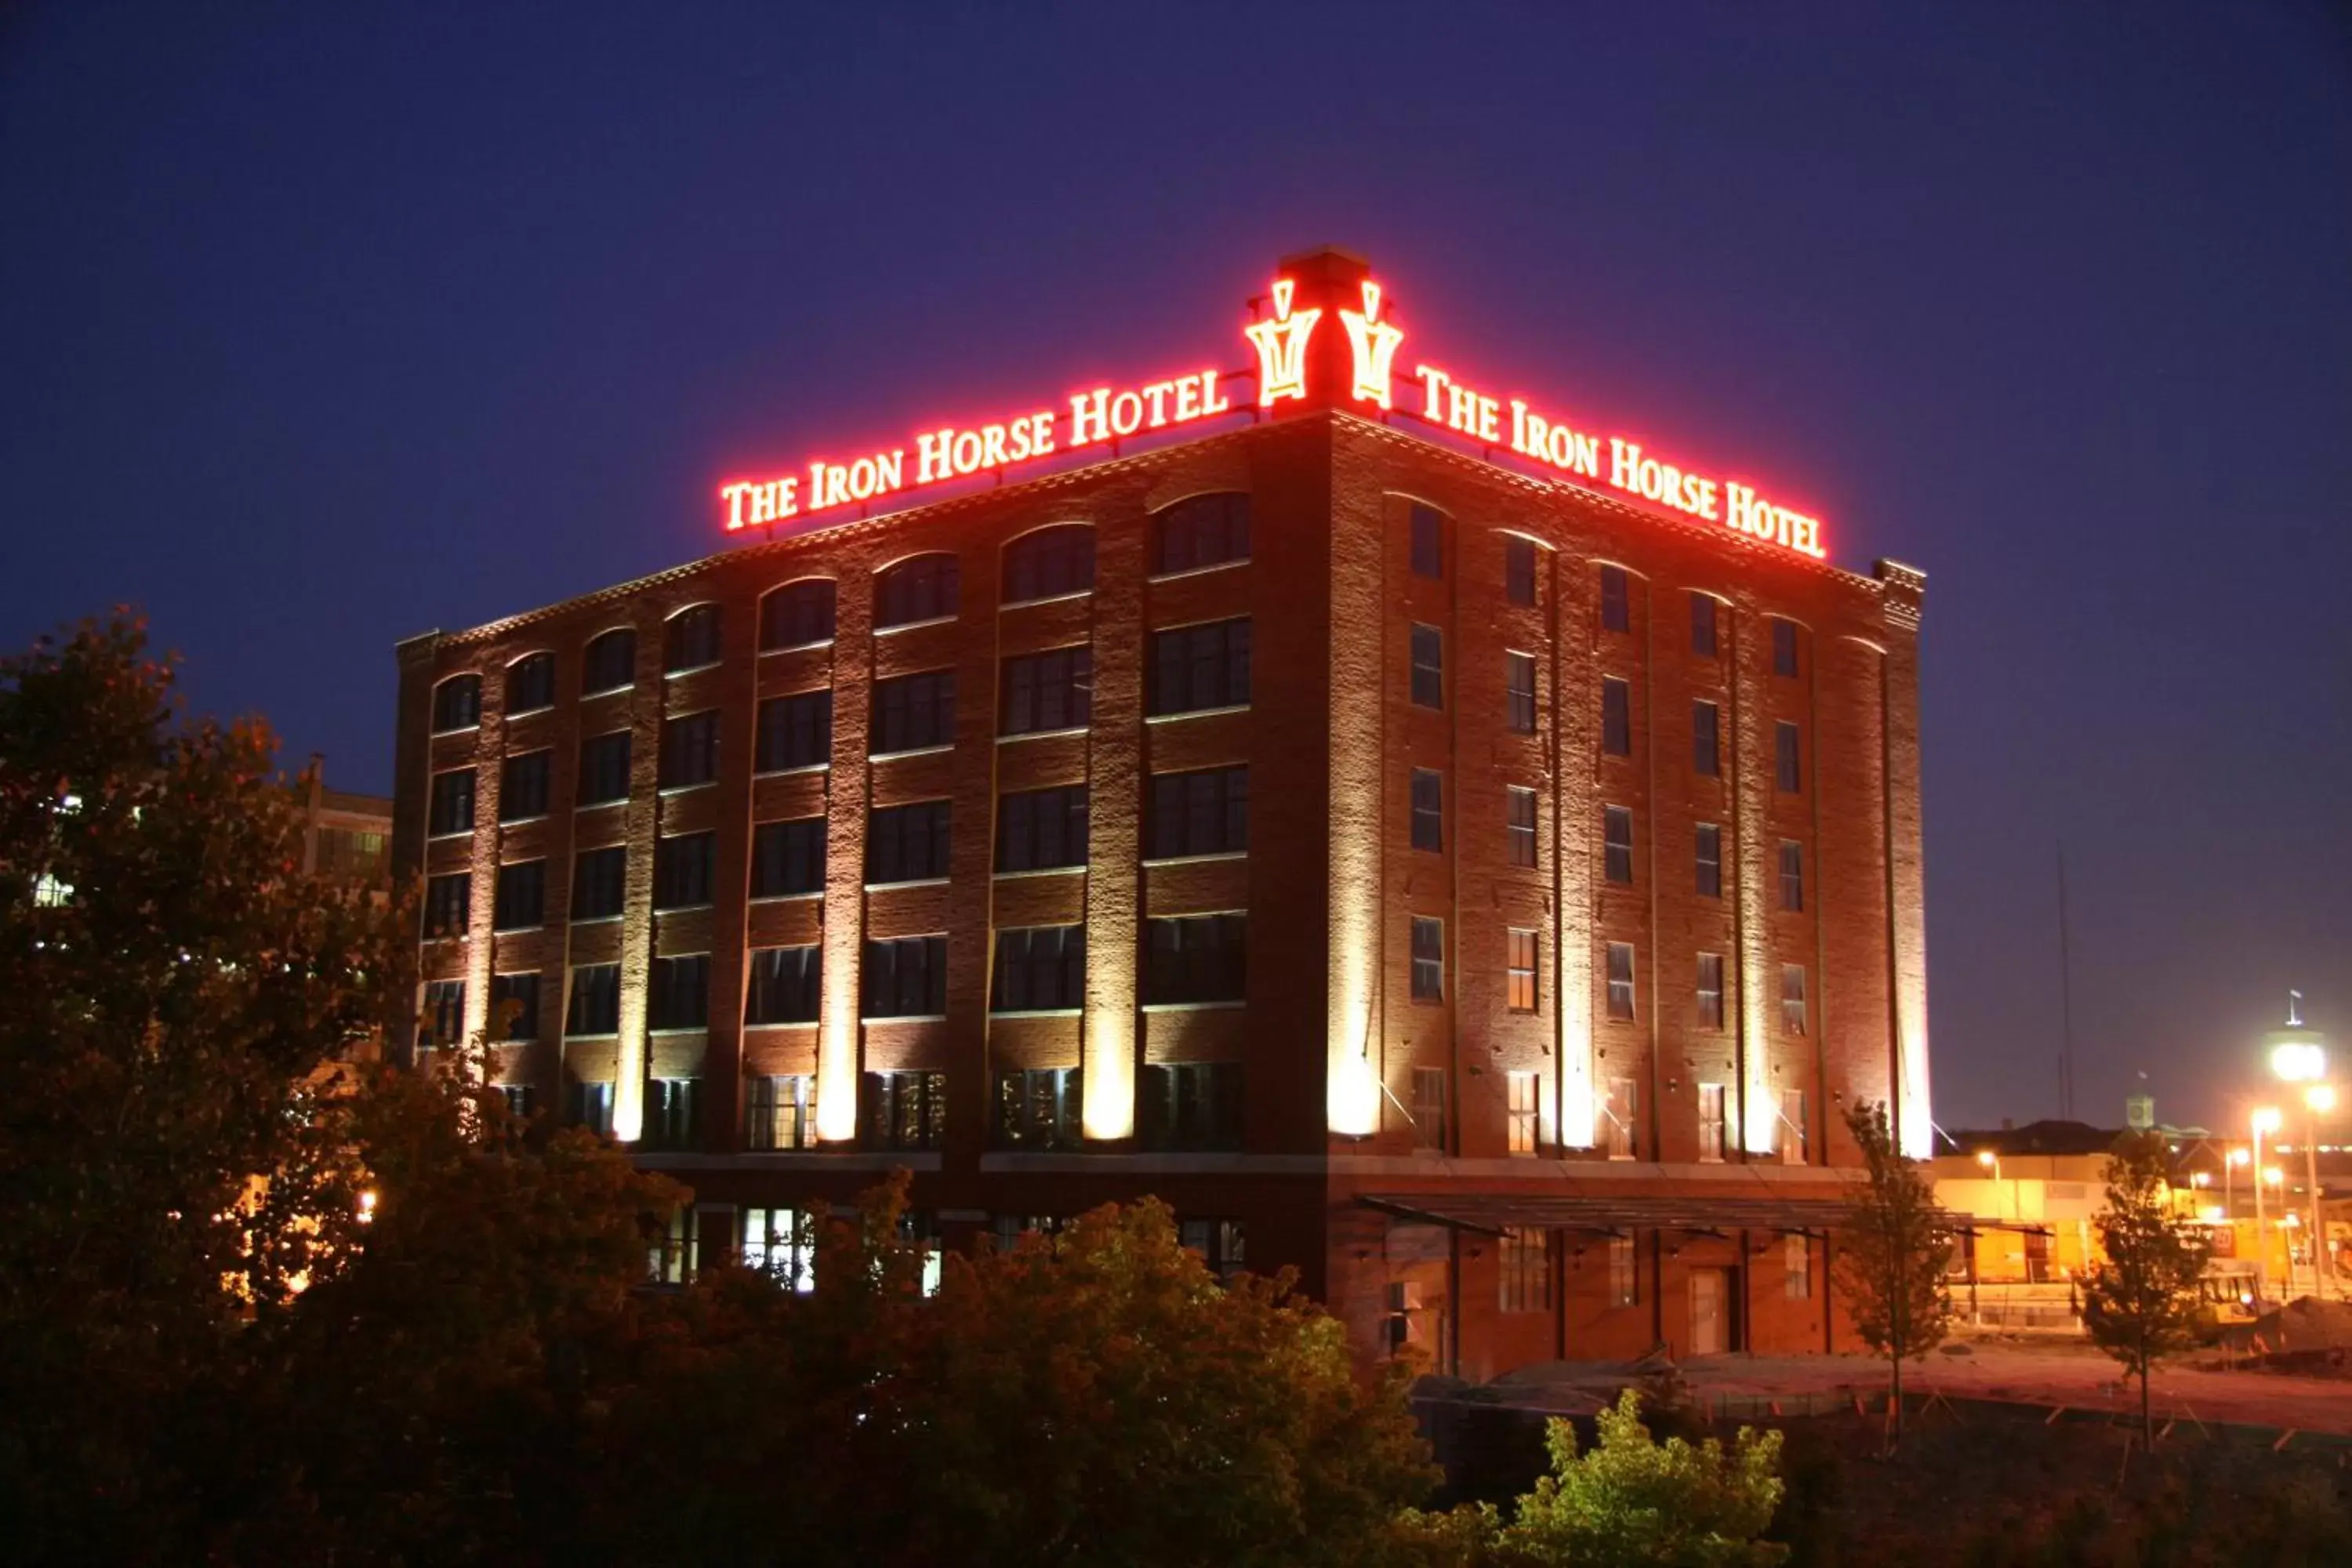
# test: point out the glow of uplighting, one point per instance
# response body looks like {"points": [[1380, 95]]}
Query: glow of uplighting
{"points": [[1374, 344], [2299, 1061], [1353, 1105], [1107, 1086], [1281, 346], [836, 1084]]}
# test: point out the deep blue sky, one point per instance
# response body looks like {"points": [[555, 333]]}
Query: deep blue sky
{"points": [[321, 325]]}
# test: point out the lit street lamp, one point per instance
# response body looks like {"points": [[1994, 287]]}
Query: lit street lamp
{"points": [[2298, 1056], [2317, 1101], [2266, 1120]]}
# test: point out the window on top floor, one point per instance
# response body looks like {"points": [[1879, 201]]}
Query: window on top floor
{"points": [[919, 588], [1616, 612], [1519, 570], [798, 615], [611, 661], [1049, 563], [1428, 541], [1784, 647], [531, 683], [691, 640], [1201, 531], [1704, 608], [457, 703]]}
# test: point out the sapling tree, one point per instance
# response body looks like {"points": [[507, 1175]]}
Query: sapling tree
{"points": [[2140, 1301], [1890, 1253]]}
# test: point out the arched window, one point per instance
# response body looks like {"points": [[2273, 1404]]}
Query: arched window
{"points": [[457, 703], [1201, 531], [919, 588], [693, 639], [798, 615], [1049, 563], [612, 662], [531, 683]]}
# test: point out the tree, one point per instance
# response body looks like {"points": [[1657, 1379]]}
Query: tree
{"points": [[1890, 1253], [2140, 1302], [172, 985], [1633, 1501]]}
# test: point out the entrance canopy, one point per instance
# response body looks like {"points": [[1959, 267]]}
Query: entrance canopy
{"points": [[1491, 1213]]}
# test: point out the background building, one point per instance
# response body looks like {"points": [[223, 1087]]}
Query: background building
{"points": [[1478, 892]]}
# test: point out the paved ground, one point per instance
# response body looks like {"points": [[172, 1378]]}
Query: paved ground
{"points": [[2068, 1373]]}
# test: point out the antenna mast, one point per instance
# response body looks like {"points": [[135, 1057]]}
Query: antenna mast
{"points": [[2065, 1002]]}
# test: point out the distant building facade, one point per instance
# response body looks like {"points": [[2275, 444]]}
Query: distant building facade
{"points": [[1474, 889]]}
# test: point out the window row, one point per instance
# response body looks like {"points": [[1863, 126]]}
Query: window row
{"points": [[1522, 970]]}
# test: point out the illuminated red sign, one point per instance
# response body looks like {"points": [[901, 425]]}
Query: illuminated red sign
{"points": [[1285, 369]]}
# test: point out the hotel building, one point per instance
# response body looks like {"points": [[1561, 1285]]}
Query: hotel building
{"points": [[1445, 872]]}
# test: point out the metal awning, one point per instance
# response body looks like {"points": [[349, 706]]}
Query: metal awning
{"points": [[1492, 1214]]}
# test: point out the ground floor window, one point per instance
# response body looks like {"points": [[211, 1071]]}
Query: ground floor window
{"points": [[781, 1243], [1219, 1243], [1624, 1274], [1526, 1271], [1797, 1266]]}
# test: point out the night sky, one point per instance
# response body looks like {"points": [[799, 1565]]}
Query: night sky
{"points": [[320, 328]]}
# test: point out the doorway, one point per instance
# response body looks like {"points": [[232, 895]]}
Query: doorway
{"points": [[1710, 1292]]}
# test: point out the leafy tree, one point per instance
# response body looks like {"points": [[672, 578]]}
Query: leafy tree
{"points": [[1633, 1501], [172, 985], [2140, 1303], [1891, 1249]]}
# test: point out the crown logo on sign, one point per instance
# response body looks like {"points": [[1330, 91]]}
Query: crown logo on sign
{"points": [[1281, 346], [1374, 342]]}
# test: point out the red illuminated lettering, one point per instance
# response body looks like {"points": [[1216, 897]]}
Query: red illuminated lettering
{"points": [[1281, 346], [1125, 413], [1372, 344], [1432, 384]]}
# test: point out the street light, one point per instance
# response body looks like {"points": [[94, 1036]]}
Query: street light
{"points": [[2318, 1099], [2298, 1056], [1991, 1160], [2230, 1163], [2265, 1120]]}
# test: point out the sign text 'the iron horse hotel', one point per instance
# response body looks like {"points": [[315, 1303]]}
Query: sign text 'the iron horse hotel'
{"points": [[1467, 855]]}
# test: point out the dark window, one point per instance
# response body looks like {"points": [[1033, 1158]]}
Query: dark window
{"points": [[1197, 958], [1203, 813], [1519, 691], [1428, 541], [1038, 1110], [1784, 647], [905, 1109], [600, 882], [611, 662], [1614, 613], [788, 857], [1710, 991], [1616, 718], [1519, 570], [1041, 828], [673, 1113], [1703, 613], [922, 588], [1428, 809], [796, 732], [605, 768], [457, 703], [690, 749], [1710, 860], [522, 898], [522, 786], [514, 1006], [1191, 1105], [907, 843], [444, 1023], [1049, 691], [449, 904], [780, 1114], [1207, 666], [1429, 1108], [1621, 980], [683, 865], [1793, 998], [1519, 805], [1205, 530], [1788, 765], [679, 995], [590, 1106], [522, 1100], [907, 977], [531, 684], [1039, 969], [1792, 876], [1706, 741], [1520, 968], [595, 1007], [1428, 958], [1617, 840], [785, 985], [1428, 667], [1050, 562], [692, 639], [798, 615], [913, 712], [453, 802]]}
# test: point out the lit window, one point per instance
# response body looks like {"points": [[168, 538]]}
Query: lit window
{"points": [[1038, 1110], [1710, 1122], [1793, 998], [1520, 959], [780, 1112], [781, 1243], [1522, 1122], [905, 1109]]}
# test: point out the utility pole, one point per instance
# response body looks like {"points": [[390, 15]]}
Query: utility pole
{"points": [[2065, 1002]]}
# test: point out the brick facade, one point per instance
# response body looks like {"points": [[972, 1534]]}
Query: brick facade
{"points": [[1330, 883]]}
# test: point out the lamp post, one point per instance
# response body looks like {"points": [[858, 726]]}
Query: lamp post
{"points": [[2265, 1120], [2230, 1163], [2298, 1056], [2317, 1101]]}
